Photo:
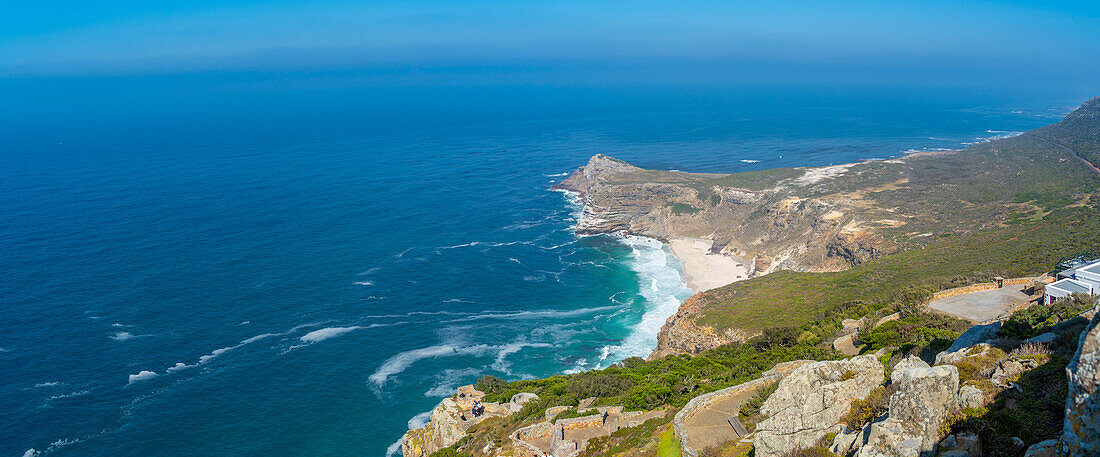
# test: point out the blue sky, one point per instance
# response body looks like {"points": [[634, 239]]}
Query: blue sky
{"points": [[431, 42]]}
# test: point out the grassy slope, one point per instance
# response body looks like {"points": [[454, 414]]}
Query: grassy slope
{"points": [[1008, 208]]}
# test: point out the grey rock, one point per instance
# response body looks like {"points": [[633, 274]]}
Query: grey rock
{"points": [[1081, 430], [1048, 448], [517, 401], [848, 441], [970, 443], [904, 365], [924, 397], [974, 335], [976, 350], [953, 453], [810, 401], [1044, 338], [1017, 441], [892, 438], [948, 443], [971, 397]]}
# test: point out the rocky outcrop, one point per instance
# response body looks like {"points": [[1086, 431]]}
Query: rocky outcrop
{"points": [[681, 335], [810, 402], [451, 418], [902, 368], [1081, 432], [925, 396], [974, 335]]}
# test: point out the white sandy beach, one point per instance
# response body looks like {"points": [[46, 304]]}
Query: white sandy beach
{"points": [[704, 271]]}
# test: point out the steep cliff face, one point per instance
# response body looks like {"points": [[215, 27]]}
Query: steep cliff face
{"points": [[773, 219]]}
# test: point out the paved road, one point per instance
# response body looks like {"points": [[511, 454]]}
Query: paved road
{"points": [[982, 305]]}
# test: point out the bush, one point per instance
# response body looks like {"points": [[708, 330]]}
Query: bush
{"points": [[863, 411], [915, 332], [1038, 319], [491, 384], [751, 407]]}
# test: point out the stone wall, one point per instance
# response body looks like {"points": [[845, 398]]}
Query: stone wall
{"points": [[605, 418], [981, 286]]}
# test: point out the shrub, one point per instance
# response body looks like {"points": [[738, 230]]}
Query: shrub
{"points": [[491, 384], [751, 406], [863, 411], [1038, 319]]}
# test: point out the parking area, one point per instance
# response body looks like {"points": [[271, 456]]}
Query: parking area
{"points": [[982, 305]]}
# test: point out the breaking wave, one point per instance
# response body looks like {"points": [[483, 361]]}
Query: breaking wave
{"points": [[663, 288]]}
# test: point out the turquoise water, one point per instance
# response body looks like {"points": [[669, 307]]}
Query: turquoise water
{"points": [[279, 273]]}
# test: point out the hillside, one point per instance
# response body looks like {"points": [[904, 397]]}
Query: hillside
{"points": [[884, 232]]}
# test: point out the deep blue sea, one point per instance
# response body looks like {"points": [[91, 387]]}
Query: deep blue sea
{"points": [[244, 272]]}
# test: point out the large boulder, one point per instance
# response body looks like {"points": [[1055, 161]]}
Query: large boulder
{"points": [[974, 335], [518, 400], [903, 367], [1048, 448], [924, 398], [1081, 431], [971, 397], [810, 402]]}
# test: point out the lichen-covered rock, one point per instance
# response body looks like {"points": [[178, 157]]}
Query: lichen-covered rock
{"points": [[904, 365], [924, 397], [971, 397], [1048, 448], [810, 401], [892, 438], [1081, 431]]}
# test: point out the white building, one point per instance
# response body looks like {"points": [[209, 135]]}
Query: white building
{"points": [[1084, 279]]}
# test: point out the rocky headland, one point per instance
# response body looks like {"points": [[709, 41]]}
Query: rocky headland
{"points": [[839, 218]]}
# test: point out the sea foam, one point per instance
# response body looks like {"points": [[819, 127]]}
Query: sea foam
{"points": [[326, 333], [141, 376], [663, 289]]}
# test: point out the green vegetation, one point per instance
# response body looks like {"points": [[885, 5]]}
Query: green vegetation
{"points": [[1034, 411], [863, 411], [905, 279], [757, 180], [448, 452], [683, 208], [917, 331], [574, 412], [1040, 319], [751, 407], [631, 439], [673, 380], [669, 446]]}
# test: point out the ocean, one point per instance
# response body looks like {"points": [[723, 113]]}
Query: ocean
{"points": [[240, 272]]}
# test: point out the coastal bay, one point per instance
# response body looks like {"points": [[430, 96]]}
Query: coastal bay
{"points": [[705, 270]]}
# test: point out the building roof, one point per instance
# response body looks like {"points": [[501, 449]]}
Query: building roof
{"points": [[1070, 285], [1093, 268]]}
